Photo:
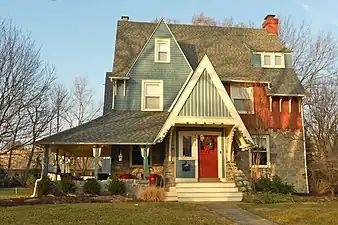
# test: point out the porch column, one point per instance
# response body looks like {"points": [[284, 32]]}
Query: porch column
{"points": [[96, 154], [44, 170], [45, 163], [145, 154], [229, 149]]}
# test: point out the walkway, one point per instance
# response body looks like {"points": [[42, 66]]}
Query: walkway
{"points": [[238, 215]]}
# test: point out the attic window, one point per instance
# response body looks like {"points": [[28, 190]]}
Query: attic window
{"points": [[162, 50], [273, 60]]}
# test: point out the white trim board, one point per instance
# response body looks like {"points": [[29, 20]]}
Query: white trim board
{"points": [[204, 64]]}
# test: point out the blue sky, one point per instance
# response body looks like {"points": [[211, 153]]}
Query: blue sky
{"points": [[77, 36]]}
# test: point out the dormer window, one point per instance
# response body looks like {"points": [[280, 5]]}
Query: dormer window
{"points": [[273, 60], [162, 50], [152, 95]]}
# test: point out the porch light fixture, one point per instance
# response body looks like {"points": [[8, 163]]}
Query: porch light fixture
{"points": [[96, 151], [120, 156]]}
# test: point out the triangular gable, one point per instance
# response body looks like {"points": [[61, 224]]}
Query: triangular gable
{"points": [[160, 23], [205, 100], [187, 90]]}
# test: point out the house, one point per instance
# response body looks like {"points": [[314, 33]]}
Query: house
{"points": [[197, 105]]}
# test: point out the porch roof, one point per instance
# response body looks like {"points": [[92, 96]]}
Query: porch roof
{"points": [[116, 127]]}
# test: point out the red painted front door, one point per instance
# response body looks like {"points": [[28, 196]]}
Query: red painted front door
{"points": [[207, 157]]}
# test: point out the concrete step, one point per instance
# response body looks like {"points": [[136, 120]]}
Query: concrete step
{"points": [[207, 189], [209, 195], [208, 199], [171, 199], [204, 185]]}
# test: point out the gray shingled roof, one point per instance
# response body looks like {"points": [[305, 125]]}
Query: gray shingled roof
{"points": [[228, 48], [117, 127]]}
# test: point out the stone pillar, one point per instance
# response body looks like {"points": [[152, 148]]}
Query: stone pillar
{"points": [[96, 154]]}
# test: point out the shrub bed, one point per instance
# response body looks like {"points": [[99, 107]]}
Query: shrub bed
{"points": [[116, 187], [92, 187]]}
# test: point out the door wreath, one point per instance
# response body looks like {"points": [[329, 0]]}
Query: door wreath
{"points": [[208, 143]]}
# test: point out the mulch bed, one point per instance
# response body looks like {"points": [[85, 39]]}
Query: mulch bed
{"points": [[63, 200]]}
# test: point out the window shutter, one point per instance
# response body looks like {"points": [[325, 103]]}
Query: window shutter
{"points": [[288, 61], [256, 60]]}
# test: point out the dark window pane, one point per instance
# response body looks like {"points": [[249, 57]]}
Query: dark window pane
{"points": [[187, 146], [136, 156], [157, 153], [259, 158]]}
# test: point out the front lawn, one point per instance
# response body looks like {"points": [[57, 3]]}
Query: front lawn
{"points": [[14, 192], [297, 213], [111, 213]]}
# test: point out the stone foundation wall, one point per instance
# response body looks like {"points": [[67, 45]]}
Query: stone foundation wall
{"points": [[286, 157], [169, 168]]}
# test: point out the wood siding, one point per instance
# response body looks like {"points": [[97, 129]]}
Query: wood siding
{"points": [[205, 100], [264, 119], [173, 74]]}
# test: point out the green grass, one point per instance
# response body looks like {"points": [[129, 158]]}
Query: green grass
{"points": [[298, 213], [112, 213], [11, 193]]}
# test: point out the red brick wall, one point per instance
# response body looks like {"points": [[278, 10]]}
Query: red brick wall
{"points": [[264, 119]]}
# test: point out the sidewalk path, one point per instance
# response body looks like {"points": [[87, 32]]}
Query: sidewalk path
{"points": [[239, 215]]}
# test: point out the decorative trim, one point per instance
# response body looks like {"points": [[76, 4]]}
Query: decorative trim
{"points": [[280, 104], [204, 64], [124, 87], [230, 140], [144, 82], [287, 95], [290, 105], [205, 120], [119, 78]]}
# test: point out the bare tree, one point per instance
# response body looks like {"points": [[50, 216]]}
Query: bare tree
{"points": [[314, 56], [84, 108], [60, 101], [201, 19], [24, 80]]}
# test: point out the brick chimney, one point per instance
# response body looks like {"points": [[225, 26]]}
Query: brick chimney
{"points": [[124, 18], [271, 24]]}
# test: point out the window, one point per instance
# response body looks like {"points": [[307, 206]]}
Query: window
{"points": [[162, 50], [273, 60], [267, 60], [242, 98], [187, 145], [136, 156], [260, 155], [152, 95]]}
